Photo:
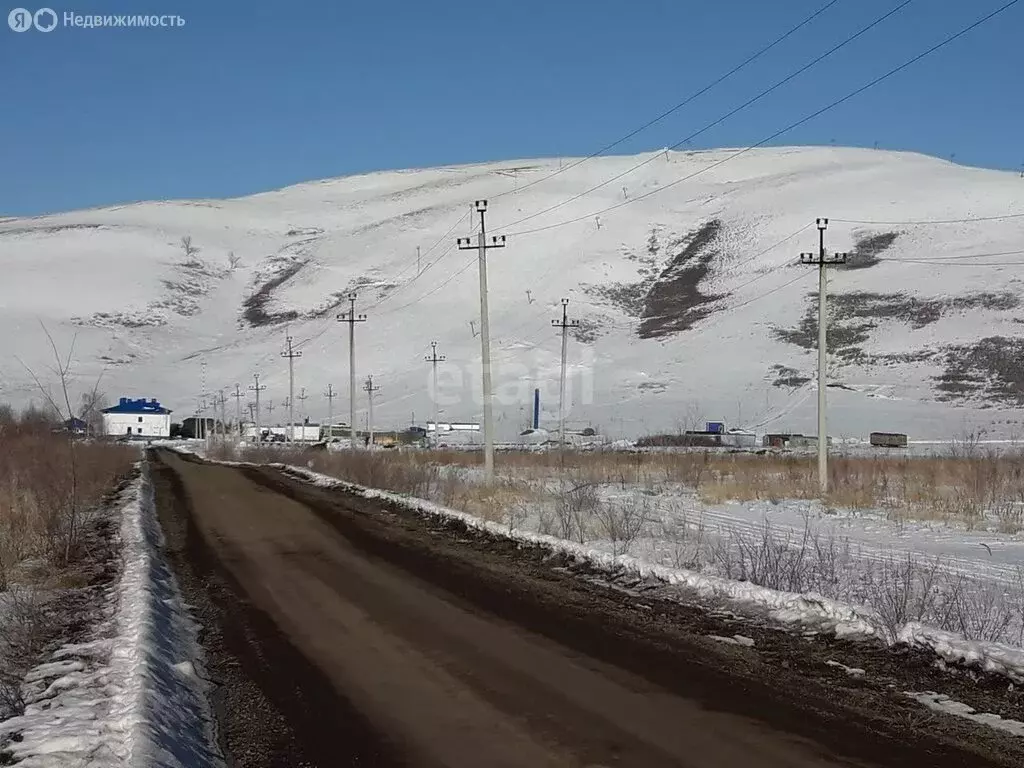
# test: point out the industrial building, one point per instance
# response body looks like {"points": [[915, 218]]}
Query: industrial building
{"points": [[137, 419]]}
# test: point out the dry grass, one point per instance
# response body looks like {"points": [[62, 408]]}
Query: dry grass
{"points": [[967, 489], [973, 488], [50, 489]]}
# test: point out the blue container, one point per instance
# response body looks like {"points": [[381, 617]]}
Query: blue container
{"points": [[716, 427]]}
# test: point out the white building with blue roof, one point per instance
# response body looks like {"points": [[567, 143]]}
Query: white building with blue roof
{"points": [[139, 419]]}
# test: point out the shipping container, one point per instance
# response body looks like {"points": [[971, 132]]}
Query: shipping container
{"points": [[888, 439]]}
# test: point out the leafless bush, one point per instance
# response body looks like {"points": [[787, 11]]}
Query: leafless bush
{"points": [[980, 611], [686, 543], [25, 629], [190, 251], [1010, 514], [965, 445], [547, 521], [902, 590], [575, 508], [622, 522], [768, 559], [516, 515]]}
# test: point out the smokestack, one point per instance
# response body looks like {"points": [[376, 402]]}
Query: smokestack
{"points": [[536, 408]]}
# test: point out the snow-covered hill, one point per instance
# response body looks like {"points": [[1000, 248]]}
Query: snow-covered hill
{"points": [[692, 300]]}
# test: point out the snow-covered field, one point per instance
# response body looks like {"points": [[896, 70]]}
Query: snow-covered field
{"points": [[151, 316], [134, 695]]}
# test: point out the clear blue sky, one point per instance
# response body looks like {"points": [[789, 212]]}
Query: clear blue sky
{"points": [[252, 96]]}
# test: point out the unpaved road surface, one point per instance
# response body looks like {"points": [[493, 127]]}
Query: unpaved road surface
{"points": [[341, 632]]}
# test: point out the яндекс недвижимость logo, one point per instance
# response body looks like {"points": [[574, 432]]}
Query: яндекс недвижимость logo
{"points": [[46, 20], [22, 20]]}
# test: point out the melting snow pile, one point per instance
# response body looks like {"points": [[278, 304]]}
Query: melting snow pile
{"points": [[131, 696], [942, 703], [991, 657]]}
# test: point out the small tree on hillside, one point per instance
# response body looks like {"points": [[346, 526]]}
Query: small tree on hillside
{"points": [[191, 251]]}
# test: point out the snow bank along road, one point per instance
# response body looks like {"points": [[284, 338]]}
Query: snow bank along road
{"points": [[341, 631]]}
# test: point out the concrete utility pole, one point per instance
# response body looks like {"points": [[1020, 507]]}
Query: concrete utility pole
{"points": [[330, 394], [238, 395], [565, 324], [291, 354], [223, 418], [485, 336], [351, 318], [434, 359], [822, 260], [370, 389], [302, 397], [202, 393], [199, 413], [257, 389]]}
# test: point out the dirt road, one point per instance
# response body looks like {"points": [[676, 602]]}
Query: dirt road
{"points": [[342, 633]]}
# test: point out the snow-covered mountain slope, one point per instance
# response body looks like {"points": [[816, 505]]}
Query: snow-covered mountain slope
{"points": [[692, 300]]}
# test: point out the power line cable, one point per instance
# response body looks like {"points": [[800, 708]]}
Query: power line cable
{"points": [[776, 289], [817, 113], [936, 221], [675, 108], [724, 117], [956, 257], [957, 263]]}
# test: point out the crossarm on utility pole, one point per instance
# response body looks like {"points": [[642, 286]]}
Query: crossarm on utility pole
{"points": [[434, 359], [565, 325], [370, 390], [822, 260], [351, 318], [238, 395], [291, 354], [482, 246], [257, 388]]}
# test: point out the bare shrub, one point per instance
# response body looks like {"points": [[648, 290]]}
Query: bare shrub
{"points": [[767, 559], [1010, 516], [547, 521], [26, 628], [621, 523], [516, 515], [685, 542], [978, 610], [903, 589], [190, 252], [575, 508]]}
